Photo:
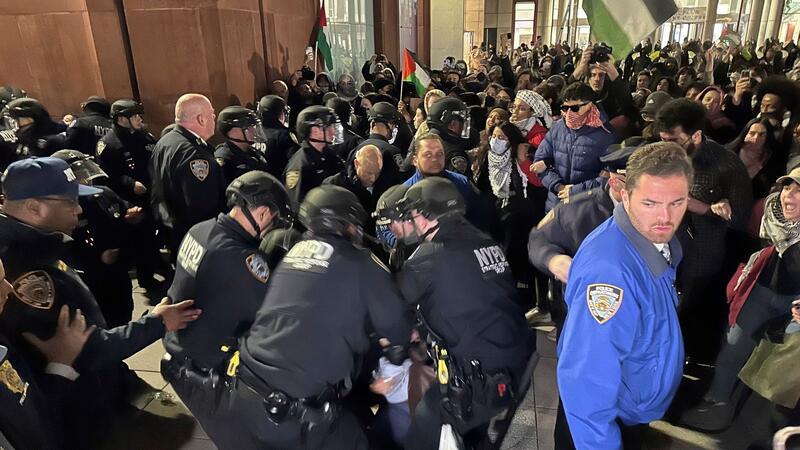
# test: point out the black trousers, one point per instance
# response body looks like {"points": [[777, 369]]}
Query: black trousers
{"points": [[426, 425], [632, 436]]}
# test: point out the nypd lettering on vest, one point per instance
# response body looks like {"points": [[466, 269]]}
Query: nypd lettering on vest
{"points": [[492, 260], [310, 256], [190, 255]]}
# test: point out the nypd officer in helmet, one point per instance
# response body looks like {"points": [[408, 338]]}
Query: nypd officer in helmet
{"points": [[621, 351], [237, 155], [298, 360], [318, 128], [219, 264], [384, 121], [273, 137], [461, 282]]}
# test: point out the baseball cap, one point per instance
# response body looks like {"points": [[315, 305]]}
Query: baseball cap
{"points": [[616, 158], [654, 103], [794, 175], [42, 177]]}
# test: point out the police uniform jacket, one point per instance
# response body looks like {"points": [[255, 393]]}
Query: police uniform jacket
{"points": [[43, 282], [462, 284], [29, 406], [392, 160], [235, 161], [220, 267], [188, 185], [9, 150], [455, 153], [101, 227], [348, 179], [125, 158], [41, 139], [311, 326], [567, 225], [621, 351], [308, 168], [277, 144], [84, 132]]}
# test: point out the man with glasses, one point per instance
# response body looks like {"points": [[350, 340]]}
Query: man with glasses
{"points": [[720, 201], [568, 159]]}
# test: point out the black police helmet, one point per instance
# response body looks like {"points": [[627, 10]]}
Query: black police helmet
{"points": [[235, 117], [83, 165], [277, 243], [331, 208], [26, 107], [434, 198], [8, 93], [383, 112], [257, 188], [314, 116], [271, 104], [126, 108], [97, 104], [445, 110], [387, 208], [341, 107]]}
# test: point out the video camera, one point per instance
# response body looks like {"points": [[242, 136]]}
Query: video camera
{"points": [[600, 53]]}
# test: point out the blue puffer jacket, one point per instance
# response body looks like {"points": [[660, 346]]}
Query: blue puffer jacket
{"points": [[573, 157]]}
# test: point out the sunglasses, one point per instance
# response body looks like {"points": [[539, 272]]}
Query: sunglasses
{"points": [[573, 108]]}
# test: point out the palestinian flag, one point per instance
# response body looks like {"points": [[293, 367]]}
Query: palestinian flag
{"points": [[621, 24], [322, 42], [414, 72]]}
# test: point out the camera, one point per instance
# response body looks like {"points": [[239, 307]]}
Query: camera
{"points": [[600, 53]]}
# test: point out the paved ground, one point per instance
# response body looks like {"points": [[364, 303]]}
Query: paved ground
{"points": [[162, 422]]}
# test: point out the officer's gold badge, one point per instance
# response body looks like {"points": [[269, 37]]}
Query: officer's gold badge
{"points": [[292, 177], [604, 301], [11, 379], [35, 289], [62, 266], [100, 147], [258, 267], [199, 168]]}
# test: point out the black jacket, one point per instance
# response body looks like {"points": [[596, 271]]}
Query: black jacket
{"points": [[307, 169], [125, 157], [84, 132], [217, 257], [236, 162], [188, 186], [392, 160], [312, 324], [277, 144]]}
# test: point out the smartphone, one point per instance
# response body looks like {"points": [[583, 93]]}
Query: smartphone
{"points": [[310, 53], [745, 75]]}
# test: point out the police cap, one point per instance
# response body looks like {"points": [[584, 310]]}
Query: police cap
{"points": [[616, 159], [126, 108], [257, 188], [434, 198], [314, 116], [331, 208], [235, 117]]}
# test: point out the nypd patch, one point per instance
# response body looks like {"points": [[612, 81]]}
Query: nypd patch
{"points": [[292, 177], [258, 267], [199, 168], [190, 255], [604, 301], [35, 289]]}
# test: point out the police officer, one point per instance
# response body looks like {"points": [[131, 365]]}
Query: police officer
{"points": [[237, 155], [298, 358], [461, 282], [554, 242], [621, 352], [273, 138], [41, 208], [99, 239], [390, 228], [188, 184], [318, 128], [450, 119], [384, 123], [37, 133], [221, 267], [84, 132], [124, 152], [350, 139]]}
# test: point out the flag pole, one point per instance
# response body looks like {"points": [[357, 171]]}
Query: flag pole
{"points": [[316, 40], [402, 71]]}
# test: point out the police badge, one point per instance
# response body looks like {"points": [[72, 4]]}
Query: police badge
{"points": [[604, 301], [100, 147], [11, 380], [258, 267], [292, 177], [459, 164], [199, 168], [35, 289]]}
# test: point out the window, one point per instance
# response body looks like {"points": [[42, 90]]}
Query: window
{"points": [[350, 33], [524, 16]]}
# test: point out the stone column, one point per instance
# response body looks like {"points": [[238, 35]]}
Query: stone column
{"points": [[711, 19], [544, 20], [756, 10], [762, 26], [774, 19]]}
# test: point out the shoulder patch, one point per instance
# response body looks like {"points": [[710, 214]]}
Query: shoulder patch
{"points": [[199, 168], [220, 161], [258, 267], [459, 164], [35, 289], [190, 255], [379, 262], [292, 177], [604, 301], [12, 381]]}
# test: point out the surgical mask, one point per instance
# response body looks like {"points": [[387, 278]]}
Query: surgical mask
{"points": [[394, 135], [498, 146]]}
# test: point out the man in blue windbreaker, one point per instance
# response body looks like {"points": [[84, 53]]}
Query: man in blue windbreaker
{"points": [[621, 352]]}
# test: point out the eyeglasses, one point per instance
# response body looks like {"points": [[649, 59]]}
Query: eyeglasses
{"points": [[573, 108]]}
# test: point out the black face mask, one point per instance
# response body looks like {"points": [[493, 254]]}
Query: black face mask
{"points": [[503, 103]]}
